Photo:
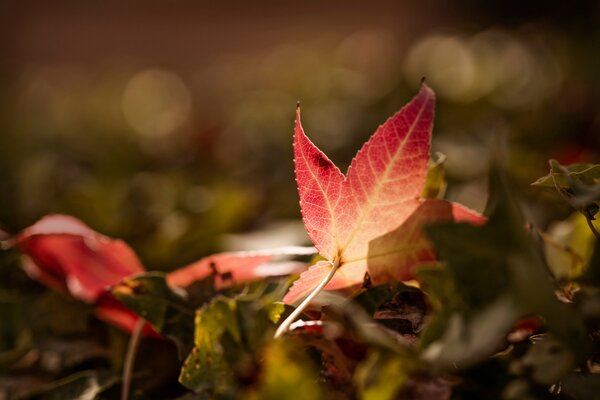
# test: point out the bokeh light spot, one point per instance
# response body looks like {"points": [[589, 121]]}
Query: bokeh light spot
{"points": [[156, 102]]}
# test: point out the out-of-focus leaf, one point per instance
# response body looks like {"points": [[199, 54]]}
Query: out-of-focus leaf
{"points": [[382, 375], [497, 271], [581, 387], [286, 373], [568, 246], [85, 385], [153, 299], [467, 340], [435, 181], [546, 361], [579, 184], [244, 266], [586, 173], [65, 254]]}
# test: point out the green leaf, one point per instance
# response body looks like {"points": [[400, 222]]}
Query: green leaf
{"points": [[150, 297], [206, 367], [568, 246], [585, 173], [228, 334], [287, 373], [435, 181], [579, 184], [382, 375]]}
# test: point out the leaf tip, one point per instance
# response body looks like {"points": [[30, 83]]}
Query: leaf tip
{"points": [[298, 112], [426, 90]]}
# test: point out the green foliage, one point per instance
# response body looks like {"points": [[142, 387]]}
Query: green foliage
{"points": [[492, 270], [229, 335], [506, 310], [382, 376], [467, 331], [286, 373]]}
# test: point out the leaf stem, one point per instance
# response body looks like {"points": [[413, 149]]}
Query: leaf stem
{"points": [[296, 313], [134, 341], [592, 227]]}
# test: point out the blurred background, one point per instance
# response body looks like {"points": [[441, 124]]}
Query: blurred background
{"points": [[169, 124]]}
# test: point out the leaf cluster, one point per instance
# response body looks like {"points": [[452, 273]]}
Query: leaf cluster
{"points": [[424, 298]]}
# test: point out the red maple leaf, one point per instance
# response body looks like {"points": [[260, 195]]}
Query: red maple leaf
{"points": [[371, 219]]}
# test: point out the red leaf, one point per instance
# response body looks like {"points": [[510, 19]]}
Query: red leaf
{"points": [[243, 266], [380, 192], [66, 254]]}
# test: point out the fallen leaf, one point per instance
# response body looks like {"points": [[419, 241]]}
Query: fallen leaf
{"points": [[379, 194], [242, 266], [67, 255]]}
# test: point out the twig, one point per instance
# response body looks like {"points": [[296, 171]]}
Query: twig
{"points": [[134, 341], [296, 313]]}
